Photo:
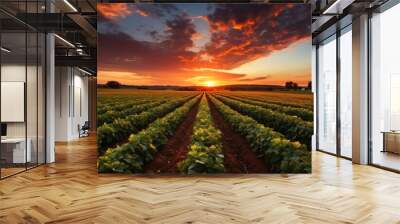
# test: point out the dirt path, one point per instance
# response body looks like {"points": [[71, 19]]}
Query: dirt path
{"points": [[238, 157], [176, 148]]}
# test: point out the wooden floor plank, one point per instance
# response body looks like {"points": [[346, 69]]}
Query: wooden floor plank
{"points": [[71, 191]]}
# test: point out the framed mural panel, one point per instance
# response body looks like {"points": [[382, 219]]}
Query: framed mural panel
{"points": [[204, 88]]}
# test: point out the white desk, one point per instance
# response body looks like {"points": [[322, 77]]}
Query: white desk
{"points": [[391, 141], [19, 153]]}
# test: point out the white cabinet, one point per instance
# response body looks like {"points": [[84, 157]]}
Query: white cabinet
{"points": [[19, 155]]}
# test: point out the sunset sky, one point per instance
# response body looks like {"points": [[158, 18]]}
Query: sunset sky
{"points": [[204, 44]]}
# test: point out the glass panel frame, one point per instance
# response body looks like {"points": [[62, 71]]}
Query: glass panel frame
{"points": [[339, 62], [26, 56], [14, 74], [384, 69], [345, 93], [326, 106]]}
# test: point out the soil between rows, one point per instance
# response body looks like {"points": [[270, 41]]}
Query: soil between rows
{"points": [[238, 156], [176, 148]]}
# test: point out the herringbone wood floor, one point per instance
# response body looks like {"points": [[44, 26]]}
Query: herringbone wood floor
{"points": [[71, 191]]}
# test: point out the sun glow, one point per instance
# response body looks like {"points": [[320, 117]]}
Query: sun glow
{"points": [[209, 83]]}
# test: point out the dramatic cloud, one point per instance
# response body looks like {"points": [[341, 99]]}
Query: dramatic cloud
{"points": [[115, 10], [180, 32], [236, 34], [242, 33], [145, 55], [158, 10], [122, 10]]}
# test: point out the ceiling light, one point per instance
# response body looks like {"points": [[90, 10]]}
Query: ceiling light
{"points": [[79, 51], [337, 7], [70, 5], [5, 50], [327, 11], [65, 41], [84, 71]]}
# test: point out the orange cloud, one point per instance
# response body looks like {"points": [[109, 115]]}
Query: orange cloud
{"points": [[114, 10], [119, 10], [197, 36], [240, 25], [219, 26], [142, 12]]}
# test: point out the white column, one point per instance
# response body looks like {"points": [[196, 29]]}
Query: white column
{"points": [[50, 98], [313, 89], [63, 102], [360, 90]]}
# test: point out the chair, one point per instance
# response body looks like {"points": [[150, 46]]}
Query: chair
{"points": [[84, 130]]}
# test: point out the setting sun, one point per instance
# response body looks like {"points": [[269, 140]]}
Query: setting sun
{"points": [[209, 83]]}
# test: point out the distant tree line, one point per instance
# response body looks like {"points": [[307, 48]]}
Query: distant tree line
{"points": [[288, 85], [113, 85], [294, 85]]}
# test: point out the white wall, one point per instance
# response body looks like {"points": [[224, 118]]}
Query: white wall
{"points": [[80, 112], [62, 82], [33, 127], [14, 73], [71, 102]]}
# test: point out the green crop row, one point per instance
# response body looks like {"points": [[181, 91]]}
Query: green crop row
{"points": [[119, 105], [280, 154], [108, 135], [302, 113], [108, 103], [113, 100], [141, 148], [287, 101], [292, 127], [111, 115], [205, 151]]}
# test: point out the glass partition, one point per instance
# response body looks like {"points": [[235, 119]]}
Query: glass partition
{"points": [[326, 95], [22, 88], [41, 97], [31, 98], [346, 92], [14, 153], [385, 89]]}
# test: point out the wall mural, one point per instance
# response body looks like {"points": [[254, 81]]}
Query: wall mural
{"points": [[204, 88]]}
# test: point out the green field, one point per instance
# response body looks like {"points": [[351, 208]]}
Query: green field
{"points": [[192, 132]]}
